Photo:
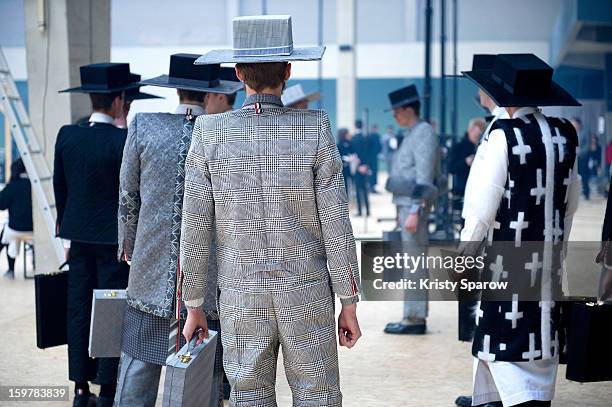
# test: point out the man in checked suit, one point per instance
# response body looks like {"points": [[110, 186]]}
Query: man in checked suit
{"points": [[270, 177]]}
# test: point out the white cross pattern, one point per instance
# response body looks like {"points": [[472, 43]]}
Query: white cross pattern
{"points": [[479, 314], [508, 192], [498, 269], [514, 315], [557, 231], [521, 149], [533, 353], [539, 191], [560, 142], [519, 224], [496, 225], [555, 344], [485, 354], [567, 181], [534, 266]]}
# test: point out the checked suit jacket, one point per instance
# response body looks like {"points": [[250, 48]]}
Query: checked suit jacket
{"points": [[271, 179]]}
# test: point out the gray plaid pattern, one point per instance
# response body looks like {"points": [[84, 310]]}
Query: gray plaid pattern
{"points": [[301, 321], [263, 35], [272, 181]]}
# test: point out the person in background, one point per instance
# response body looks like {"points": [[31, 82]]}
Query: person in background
{"points": [[608, 160], [389, 145], [348, 157], [130, 96], [361, 177], [86, 186], [594, 163], [462, 155], [417, 160], [294, 97], [374, 149], [584, 143], [17, 198]]}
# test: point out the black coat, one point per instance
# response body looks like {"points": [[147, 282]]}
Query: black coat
{"points": [[17, 198], [606, 230], [457, 165], [360, 146], [86, 181]]}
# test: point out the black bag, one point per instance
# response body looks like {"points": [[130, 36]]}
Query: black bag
{"points": [[51, 308], [589, 350]]}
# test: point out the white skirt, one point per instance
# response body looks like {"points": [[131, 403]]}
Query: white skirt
{"points": [[514, 383], [13, 239]]}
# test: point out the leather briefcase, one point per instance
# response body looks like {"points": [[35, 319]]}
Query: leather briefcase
{"points": [[589, 354], [189, 374], [51, 291], [106, 327]]}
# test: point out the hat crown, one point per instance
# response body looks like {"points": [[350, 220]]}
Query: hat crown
{"points": [[522, 74], [293, 94], [262, 35], [483, 61], [182, 67], [403, 96], [102, 76]]}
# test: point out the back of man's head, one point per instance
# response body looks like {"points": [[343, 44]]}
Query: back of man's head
{"points": [[190, 96], [261, 76], [103, 102], [358, 124]]}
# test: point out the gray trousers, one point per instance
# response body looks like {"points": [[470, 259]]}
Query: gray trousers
{"points": [[415, 244]]}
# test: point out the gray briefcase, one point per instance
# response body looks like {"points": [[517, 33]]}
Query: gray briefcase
{"points": [[107, 310], [189, 374]]}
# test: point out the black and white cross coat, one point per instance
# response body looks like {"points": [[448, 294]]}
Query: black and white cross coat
{"points": [[522, 192]]}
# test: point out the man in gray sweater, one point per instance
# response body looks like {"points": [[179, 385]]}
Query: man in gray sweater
{"points": [[150, 208], [417, 161]]}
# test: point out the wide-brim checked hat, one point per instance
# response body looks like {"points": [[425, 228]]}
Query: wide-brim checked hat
{"points": [[262, 39], [104, 77], [136, 94], [183, 74], [295, 94], [518, 80], [403, 96]]}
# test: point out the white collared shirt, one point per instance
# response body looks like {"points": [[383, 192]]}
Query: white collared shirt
{"points": [[98, 117], [196, 110]]}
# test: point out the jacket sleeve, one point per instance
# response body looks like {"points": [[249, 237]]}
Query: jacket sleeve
{"points": [[129, 194], [332, 208], [426, 157], [60, 188], [198, 221], [6, 196]]}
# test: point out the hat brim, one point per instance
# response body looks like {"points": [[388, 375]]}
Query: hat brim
{"points": [[144, 95], [557, 96], [403, 103], [310, 97], [226, 56], [225, 87], [81, 89]]}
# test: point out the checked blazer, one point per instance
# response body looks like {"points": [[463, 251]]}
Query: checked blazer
{"points": [[271, 179]]}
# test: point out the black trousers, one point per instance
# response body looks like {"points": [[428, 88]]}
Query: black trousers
{"points": [[92, 266], [361, 193]]}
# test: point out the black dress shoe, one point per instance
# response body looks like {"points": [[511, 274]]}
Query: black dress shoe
{"points": [[85, 400], [464, 401], [398, 328], [105, 401]]}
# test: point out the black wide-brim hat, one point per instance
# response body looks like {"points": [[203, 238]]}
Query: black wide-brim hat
{"points": [[184, 74], [136, 94], [105, 77], [518, 80]]}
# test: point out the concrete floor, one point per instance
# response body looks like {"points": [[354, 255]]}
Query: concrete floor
{"points": [[381, 370]]}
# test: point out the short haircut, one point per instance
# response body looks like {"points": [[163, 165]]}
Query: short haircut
{"points": [[103, 101], [416, 106], [231, 98], [196, 96], [478, 121], [358, 124], [259, 76]]}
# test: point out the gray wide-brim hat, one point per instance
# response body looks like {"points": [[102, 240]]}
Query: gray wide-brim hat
{"points": [[259, 39]]}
